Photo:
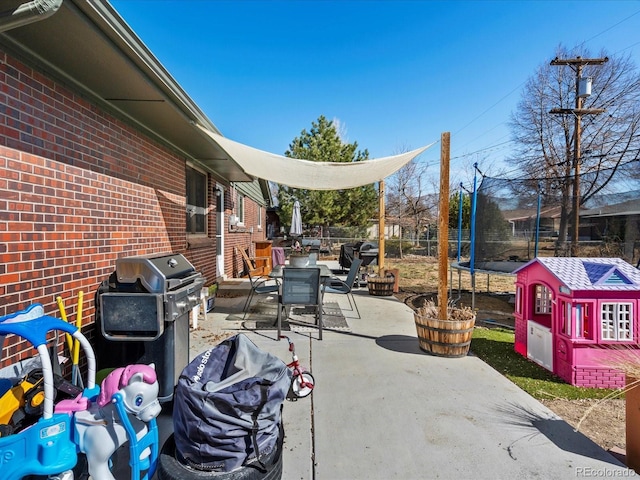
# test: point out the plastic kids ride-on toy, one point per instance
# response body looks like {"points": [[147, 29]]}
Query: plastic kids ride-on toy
{"points": [[95, 422], [45, 447], [103, 427]]}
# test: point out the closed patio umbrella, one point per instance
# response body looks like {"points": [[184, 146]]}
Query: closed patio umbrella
{"points": [[296, 221]]}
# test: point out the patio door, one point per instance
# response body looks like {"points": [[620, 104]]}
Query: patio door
{"points": [[220, 231]]}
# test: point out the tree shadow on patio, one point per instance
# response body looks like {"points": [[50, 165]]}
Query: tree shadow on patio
{"points": [[553, 428]]}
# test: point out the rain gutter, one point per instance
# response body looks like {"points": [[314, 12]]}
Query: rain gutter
{"points": [[27, 13]]}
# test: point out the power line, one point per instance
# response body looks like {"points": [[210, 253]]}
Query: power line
{"points": [[525, 177], [522, 83], [610, 28], [492, 106], [491, 147]]}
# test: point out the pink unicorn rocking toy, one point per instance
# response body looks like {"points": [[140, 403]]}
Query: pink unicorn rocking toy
{"points": [[127, 402]]}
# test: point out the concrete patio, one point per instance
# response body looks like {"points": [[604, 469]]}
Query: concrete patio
{"points": [[384, 409]]}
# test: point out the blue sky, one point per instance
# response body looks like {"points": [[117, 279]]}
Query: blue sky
{"points": [[394, 74]]}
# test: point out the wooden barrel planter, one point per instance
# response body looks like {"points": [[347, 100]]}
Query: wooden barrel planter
{"points": [[381, 286], [445, 338]]}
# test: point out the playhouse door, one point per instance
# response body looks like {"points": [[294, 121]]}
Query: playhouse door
{"points": [[539, 344]]}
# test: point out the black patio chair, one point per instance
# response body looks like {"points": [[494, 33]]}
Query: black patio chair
{"points": [[300, 286]]}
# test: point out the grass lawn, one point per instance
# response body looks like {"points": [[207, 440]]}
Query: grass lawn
{"points": [[495, 347]]}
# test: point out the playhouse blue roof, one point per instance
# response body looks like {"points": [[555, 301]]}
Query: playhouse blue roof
{"points": [[591, 273]]}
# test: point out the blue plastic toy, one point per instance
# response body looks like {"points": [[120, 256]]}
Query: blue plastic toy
{"points": [[47, 446], [50, 446]]}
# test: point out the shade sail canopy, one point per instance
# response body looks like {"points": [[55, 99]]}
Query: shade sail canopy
{"points": [[311, 175]]}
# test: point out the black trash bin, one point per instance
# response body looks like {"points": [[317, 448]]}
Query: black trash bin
{"points": [[142, 316]]}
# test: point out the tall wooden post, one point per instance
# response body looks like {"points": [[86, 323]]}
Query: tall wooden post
{"points": [[381, 227], [443, 226]]}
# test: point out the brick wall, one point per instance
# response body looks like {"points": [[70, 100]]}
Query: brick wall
{"points": [[78, 189], [62, 228], [241, 237], [598, 377]]}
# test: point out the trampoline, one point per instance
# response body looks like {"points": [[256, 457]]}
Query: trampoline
{"points": [[513, 221], [504, 233], [505, 268]]}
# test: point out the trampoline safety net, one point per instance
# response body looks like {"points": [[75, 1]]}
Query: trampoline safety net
{"points": [[505, 225], [507, 217]]}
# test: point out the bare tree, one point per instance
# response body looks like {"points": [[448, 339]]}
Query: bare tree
{"points": [[609, 141], [408, 200]]}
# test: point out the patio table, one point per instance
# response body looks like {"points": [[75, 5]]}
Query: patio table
{"points": [[325, 271]]}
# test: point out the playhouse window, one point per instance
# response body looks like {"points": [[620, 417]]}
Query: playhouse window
{"points": [[583, 321], [543, 299], [615, 321], [518, 299], [566, 319]]}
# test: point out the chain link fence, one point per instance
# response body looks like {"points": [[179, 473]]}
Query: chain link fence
{"points": [[521, 246]]}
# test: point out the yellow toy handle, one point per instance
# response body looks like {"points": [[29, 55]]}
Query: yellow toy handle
{"points": [[63, 315], [76, 345]]}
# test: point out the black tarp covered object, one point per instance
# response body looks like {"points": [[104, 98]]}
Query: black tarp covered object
{"points": [[228, 403], [366, 251]]}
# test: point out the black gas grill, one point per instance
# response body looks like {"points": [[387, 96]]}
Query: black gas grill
{"points": [[143, 315]]}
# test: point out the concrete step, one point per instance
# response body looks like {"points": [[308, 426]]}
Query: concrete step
{"points": [[234, 287]]}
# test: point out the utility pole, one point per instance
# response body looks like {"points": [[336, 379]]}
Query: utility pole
{"points": [[576, 65]]}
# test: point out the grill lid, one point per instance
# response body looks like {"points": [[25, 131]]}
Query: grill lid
{"points": [[153, 271]]}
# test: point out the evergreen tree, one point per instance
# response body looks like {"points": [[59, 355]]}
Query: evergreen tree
{"points": [[346, 208], [454, 210]]}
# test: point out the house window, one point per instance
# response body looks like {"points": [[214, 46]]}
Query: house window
{"points": [[615, 321], [543, 299], [259, 222], [196, 201], [240, 209]]}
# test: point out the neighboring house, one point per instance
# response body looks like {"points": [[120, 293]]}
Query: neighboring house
{"points": [[616, 218], [607, 217], [101, 157], [523, 221], [392, 228], [571, 312]]}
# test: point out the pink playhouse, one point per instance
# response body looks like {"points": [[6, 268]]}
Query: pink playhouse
{"points": [[567, 309]]}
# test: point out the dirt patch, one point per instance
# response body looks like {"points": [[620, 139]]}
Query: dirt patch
{"points": [[605, 424]]}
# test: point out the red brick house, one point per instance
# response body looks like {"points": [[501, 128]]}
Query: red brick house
{"points": [[100, 157]]}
